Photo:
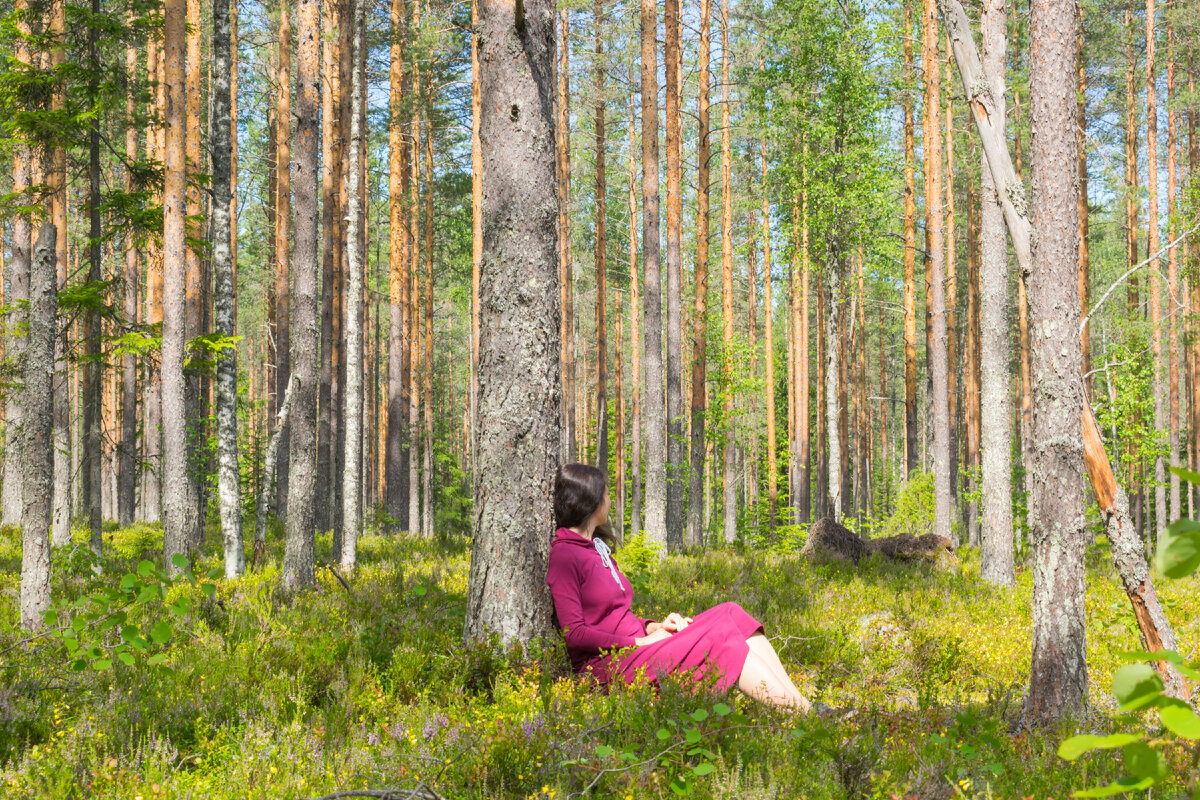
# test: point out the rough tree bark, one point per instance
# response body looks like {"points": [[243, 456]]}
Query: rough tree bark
{"points": [[127, 470], [635, 336], [695, 513], [566, 270], [270, 459], [655, 421], [910, 256], [396, 466], [519, 397], [305, 339], [283, 240], [729, 456], [330, 177], [672, 61], [1152, 246], [601, 195], [90, 326], [37, 431], [769, 347], [224, 297], [1175, 308]]}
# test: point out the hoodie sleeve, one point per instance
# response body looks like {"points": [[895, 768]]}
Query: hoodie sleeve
{"points": [[566, 587]]}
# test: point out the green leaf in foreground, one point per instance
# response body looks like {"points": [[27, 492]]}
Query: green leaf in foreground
{"points": [[1186, 474], [1178, 717], [1076, 746], [1144, 762], [703, 768], [1117, 787], [1136, 686], [1179, 551], [604, 751]]}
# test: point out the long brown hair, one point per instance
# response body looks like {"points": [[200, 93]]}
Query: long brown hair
{"points": [[578, 492]]}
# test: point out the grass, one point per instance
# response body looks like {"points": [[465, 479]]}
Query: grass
{"points": [[268, 694]]}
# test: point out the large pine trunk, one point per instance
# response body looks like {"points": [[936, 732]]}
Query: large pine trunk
{"points": [[127, 468], [769, 348], [36, 432], [519, 390], [396, 462], [910, 256], [566, 272], [601, 254], [92, 450], [635, 338], [299, 549], [330, 221], [224, 298], [672, 59], [729, 456]]}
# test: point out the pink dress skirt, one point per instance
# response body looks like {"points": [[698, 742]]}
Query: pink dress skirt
{"points": [[714, 643]]}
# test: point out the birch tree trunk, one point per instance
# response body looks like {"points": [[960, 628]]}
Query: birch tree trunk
{"points": [[305, 339], [352, 413], [520, 392], [37, 431], [228, 482]]}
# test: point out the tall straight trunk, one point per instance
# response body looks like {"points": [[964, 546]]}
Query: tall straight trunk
{"points": [[352, 414], [476, 228], [518, 436], [1058, 675], [635, 338], [91, 476], [566, 268], [862, 472], [729, 457], [299, 555], [819, 389], [790, 335], [1152, 243], [910, 255], [696, 505], [127, 469], [655, 421], [834, 381], [330, 177], [151, 507], [56, 179], [1085, 345], [971, 365], [769, 345], [800, 326], [1174, 307], [936, 260], [601, 253], [618, 512], [1026, 391], [283, 241], [37, 431], [414, 291], [951, 284], [996, 523], [196, 293], [337, 400], [886, 415], [1194, 280], [396, 464], [672, 62], [225, 298], [1131, 163], [427, 513], [18, 276], [179, 511]]}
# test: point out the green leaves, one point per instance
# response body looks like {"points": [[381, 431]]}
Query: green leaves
{"points": [[1136, 686], [1076, 746], [1179, 551], [1178, 717]]}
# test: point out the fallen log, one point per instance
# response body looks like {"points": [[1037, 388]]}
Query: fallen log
{"points": [[1153, 626]]}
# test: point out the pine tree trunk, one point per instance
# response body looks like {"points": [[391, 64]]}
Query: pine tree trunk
{"points": [[800, 326], [91, 474], [519, 417], [936, 260], [635, 338], [196, 279], [566, 264], [601, 253], [655, 421], [820, 457], [1174, 306], [36, 432], [729, 457], [127, 468], [618, 510], [396, 465], [672, 62], [299, 551], [179, 511], [56, 178], [769, 348], [283, 242], [1085, 345], [427, 473], [353, 411], [971, 366], [228, 480], [910, 255], [476, 229], [151, 507], [330, 177], [696, 506], [414, 297], [996, 522], [1152, 245], [951, 284]]}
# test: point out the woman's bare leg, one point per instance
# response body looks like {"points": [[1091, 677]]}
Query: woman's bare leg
{"points": [[761, 646], [759, 681]]}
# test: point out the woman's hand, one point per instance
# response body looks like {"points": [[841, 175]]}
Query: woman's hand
{"points": [[674, 622], [655, 635]]}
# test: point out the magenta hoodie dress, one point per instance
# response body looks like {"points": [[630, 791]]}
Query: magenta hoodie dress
{"points": [[592, 602]]}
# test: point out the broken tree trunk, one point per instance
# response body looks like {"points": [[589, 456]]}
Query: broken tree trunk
{"points": [[1155, 629]]}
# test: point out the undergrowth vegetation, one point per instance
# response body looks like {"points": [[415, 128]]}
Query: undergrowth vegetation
{"points": [[267, 694]]}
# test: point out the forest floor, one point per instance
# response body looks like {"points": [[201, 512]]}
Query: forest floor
{"points": [[257, 693]]}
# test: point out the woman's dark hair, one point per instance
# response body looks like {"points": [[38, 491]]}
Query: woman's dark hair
{"points": [[578, 491]]}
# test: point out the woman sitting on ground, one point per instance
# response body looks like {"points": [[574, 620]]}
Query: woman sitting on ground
{"points": [[592, 603]]}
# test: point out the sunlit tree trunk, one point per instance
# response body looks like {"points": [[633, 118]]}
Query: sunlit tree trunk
{"points": [[729, 457], [971, 365], [696, 505], [396, 464], [820, 456], [655, 422], [56, 180], [769, 344], [519, 422], [1194, 281], [566, 266], [127, 469], [803, 373], [92, 446], [1152, 244], [951, 284], [618, 509], [1058, 675], [427, 513], [151, 506], [228, 480], [1174, 306], [283, 242], [635, 337], [601, 251], [910, 255], [995, 398], [330, 177], [414, 288], [1085, 345], [476, 227], [672, 61]]}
